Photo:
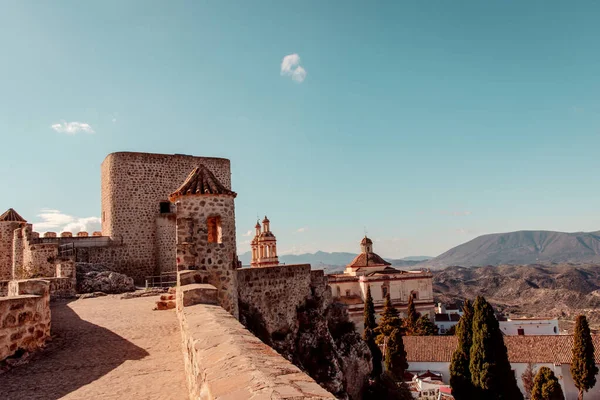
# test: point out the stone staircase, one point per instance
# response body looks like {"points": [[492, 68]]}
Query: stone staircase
{"points": [[167, 301]]}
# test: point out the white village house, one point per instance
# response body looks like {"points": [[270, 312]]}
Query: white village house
{"points": [[434, 353]]}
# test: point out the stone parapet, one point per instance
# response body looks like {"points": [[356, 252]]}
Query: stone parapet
{"points": [[24, 317], [223, 360]]}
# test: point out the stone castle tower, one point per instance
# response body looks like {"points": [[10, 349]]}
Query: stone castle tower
{"points": [[205, 238], [136, 212], [9, 222], [264, 246]]}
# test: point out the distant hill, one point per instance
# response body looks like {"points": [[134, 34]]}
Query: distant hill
{"points": [[331, 261], [559, 291], [522, 247]]}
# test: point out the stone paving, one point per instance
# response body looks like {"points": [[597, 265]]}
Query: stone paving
{"points": [[104, 348]]}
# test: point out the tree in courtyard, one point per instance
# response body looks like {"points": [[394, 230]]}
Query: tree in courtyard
{"points": [[369, 334], [412, 316], [425, 327], [527, 378], [460, 376], [583, 365], [491, 373], [546, 386], [389, 320]]}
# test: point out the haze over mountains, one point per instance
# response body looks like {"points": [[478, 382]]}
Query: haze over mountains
{"points": [[331, 261], [511, 248], [523, 247]]}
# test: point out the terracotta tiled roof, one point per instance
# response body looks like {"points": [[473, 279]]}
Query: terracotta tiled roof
{"points": [[201, 181], [373, 260], [11, 216], [521, 349]]}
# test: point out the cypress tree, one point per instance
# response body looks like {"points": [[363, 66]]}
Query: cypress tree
{"points": [[460, 376], [369, 313], [546, 386], [411, 317], [583, 365], [369, 334], [490, 369], [389, 320], [395, 355], [425, 327]]}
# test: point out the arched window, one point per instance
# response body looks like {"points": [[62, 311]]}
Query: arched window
{"points": [[338, 291], [214, 230]]}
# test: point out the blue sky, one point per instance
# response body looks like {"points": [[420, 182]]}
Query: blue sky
{"points": [[428, 123]]}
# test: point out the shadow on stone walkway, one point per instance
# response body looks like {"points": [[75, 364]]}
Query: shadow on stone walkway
{"points": [[90, 359]]}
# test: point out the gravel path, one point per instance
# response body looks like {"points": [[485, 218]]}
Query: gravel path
{"points": [[104, 348]]}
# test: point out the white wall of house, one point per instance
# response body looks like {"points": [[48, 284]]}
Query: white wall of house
{"points": [[443, 326], [562, 372], [530, 327]]}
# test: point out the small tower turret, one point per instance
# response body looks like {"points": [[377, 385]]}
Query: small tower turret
{"points": [[9, 222]]}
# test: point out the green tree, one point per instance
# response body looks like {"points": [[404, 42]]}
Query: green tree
{"points": [[412, 316], [425, 327], [369, 335], [546, 386], [583, 365], [460, 376], [389, 320], [369, 313], [527, 378], [395, 355], [490, 369]]}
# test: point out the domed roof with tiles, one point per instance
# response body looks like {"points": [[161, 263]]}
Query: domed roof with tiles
{"points": [[201, 181], [11, 216]]}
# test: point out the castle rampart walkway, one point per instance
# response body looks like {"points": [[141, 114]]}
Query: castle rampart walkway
{"points": [[104, 348]]}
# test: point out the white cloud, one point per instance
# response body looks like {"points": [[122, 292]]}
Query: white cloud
{"points": [[249, 233], [55, 221], [290, 66], [72, 128], [303, 229]]}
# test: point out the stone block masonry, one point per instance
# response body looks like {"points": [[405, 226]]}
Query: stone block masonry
{"points": [[24, 317], [275, 293], [223, 360], [135, 192]]}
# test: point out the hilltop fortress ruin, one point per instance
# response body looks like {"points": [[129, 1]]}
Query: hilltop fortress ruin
{"points": [[176, 214]]}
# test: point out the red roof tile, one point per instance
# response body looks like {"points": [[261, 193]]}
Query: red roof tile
{"points": [[521, 349], [201, 181], [367, 260], [11, 216]]}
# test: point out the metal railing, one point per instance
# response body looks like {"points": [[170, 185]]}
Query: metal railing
{"points": [[164, 280]]}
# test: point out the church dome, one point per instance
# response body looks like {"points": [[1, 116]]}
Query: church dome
{"points": [[366, 240]]}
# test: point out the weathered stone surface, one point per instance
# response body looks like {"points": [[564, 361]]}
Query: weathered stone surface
{"points": [[24, 317], [96, 278], [225, 361], [197, 293], [289, 308]]}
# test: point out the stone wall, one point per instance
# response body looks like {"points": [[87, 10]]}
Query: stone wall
{"points": [[30, 259], [4, 288], [275, 293], [223, 360], [133, 185], [194, 250], [165, 242], [7, 229], [24, 317]]}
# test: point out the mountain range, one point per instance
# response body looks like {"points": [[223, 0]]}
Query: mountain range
{"points": [[331, 261], [522, 247]]}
